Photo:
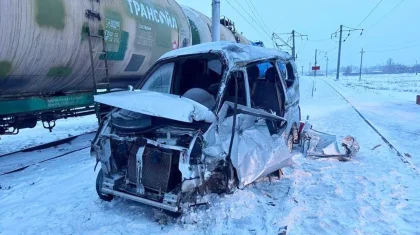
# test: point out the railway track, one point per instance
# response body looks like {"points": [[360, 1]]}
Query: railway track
{"points": [[46, 145], [20, 160], [387, 142]]}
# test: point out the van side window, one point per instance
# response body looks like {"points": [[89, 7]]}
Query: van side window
{"points": [[265, 87], [283, 70], [161, 79], [229, 94], [290, 75]]}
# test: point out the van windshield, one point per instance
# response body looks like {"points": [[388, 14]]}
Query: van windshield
{"points": [[195, 77]]}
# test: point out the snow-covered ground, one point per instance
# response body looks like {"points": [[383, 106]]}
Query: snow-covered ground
{"points": [[375, 193], [389, 103], [39, 135]]}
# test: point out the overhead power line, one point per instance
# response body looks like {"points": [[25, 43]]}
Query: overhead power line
{"points": [[369, 13], [320, 40], [395, 49], [258, 14], [393, 9], [253, 26], [302, 48], [253, 17], [335, 48]]}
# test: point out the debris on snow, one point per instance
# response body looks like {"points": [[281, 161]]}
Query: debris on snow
{"points": [[376, 146], [319, 144]]}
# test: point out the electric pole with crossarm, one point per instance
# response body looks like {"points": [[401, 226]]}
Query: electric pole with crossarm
{"points": [[276, 37], [361, 63], [340, 32]]}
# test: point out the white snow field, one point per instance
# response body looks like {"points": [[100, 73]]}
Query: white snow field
{"points": [[39, 135], [374, 193], [389, 103]]}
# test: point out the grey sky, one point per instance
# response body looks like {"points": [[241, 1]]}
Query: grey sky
{"points": [[398, 33]]}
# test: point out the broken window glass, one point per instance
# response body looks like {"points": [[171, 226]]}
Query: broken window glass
{"points": [[291, 75], [283, 70], [160, 80], [229, 94]]}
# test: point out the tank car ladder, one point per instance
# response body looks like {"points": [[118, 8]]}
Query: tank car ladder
{"points": [[93, 53], [97, 85]]}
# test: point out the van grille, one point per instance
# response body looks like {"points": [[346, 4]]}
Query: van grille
{"points": [[160, 169]]}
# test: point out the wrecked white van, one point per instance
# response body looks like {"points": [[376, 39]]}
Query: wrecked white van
{"points": [[206, 119]]}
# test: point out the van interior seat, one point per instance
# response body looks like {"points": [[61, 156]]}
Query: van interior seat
{"points": [[194, 75], [201, 96], [265, 94]]}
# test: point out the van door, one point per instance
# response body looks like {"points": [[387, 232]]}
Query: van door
{"points": [[256, 148], [290, 81]]}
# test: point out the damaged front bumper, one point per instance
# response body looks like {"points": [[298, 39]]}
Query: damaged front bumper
{"points": [[110, 187], [167, 163], [142, 200]]}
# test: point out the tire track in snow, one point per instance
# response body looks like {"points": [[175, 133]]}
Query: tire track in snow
{"points": [[387, 142]]}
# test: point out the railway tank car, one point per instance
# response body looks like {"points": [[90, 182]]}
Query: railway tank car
{"points": [[55, 54]]}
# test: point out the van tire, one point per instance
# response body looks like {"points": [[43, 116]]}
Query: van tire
{"points": [[99, 183]]}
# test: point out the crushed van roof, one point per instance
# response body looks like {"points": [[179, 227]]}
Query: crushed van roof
{"points": [[234, 52]]}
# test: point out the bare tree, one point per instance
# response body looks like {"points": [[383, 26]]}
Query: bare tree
{"points": [[347, 70], [390, 62], [389, 66]]}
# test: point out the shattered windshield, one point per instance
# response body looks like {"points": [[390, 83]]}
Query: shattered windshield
{"points": [[194, 77], [160, 80]]}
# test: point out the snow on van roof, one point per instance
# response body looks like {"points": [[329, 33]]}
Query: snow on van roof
{"points": [[234, 52]]}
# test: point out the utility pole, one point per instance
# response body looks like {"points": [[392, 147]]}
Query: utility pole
{"points": [[293, 45], [302, 70], [349, 30], [316, 52], [215, 29], [280, 42], [339, 53], [326, 70], [361, 63]]}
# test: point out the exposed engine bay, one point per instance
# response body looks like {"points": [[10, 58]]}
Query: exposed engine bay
{"points": [[157, 158]]}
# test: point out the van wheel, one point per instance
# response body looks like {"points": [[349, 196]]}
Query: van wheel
{"points": [[278, 173], [99, 183]]}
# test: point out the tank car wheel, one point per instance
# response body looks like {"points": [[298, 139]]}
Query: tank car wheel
{"points": [[99, 183]]}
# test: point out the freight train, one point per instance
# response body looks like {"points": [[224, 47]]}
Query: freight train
{"points": [[56, 54]]}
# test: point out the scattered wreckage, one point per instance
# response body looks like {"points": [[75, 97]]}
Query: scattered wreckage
{"points": [[322, 145], [206, 119]]}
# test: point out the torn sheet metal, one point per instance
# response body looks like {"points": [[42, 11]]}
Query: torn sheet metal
{"points": [[159, 105], [255, 153], [319, 144]]}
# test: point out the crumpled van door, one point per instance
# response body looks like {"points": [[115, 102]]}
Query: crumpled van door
{"points": [[256, 152]]}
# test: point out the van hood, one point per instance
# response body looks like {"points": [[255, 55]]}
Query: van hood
{"points": [[159, 105]]}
